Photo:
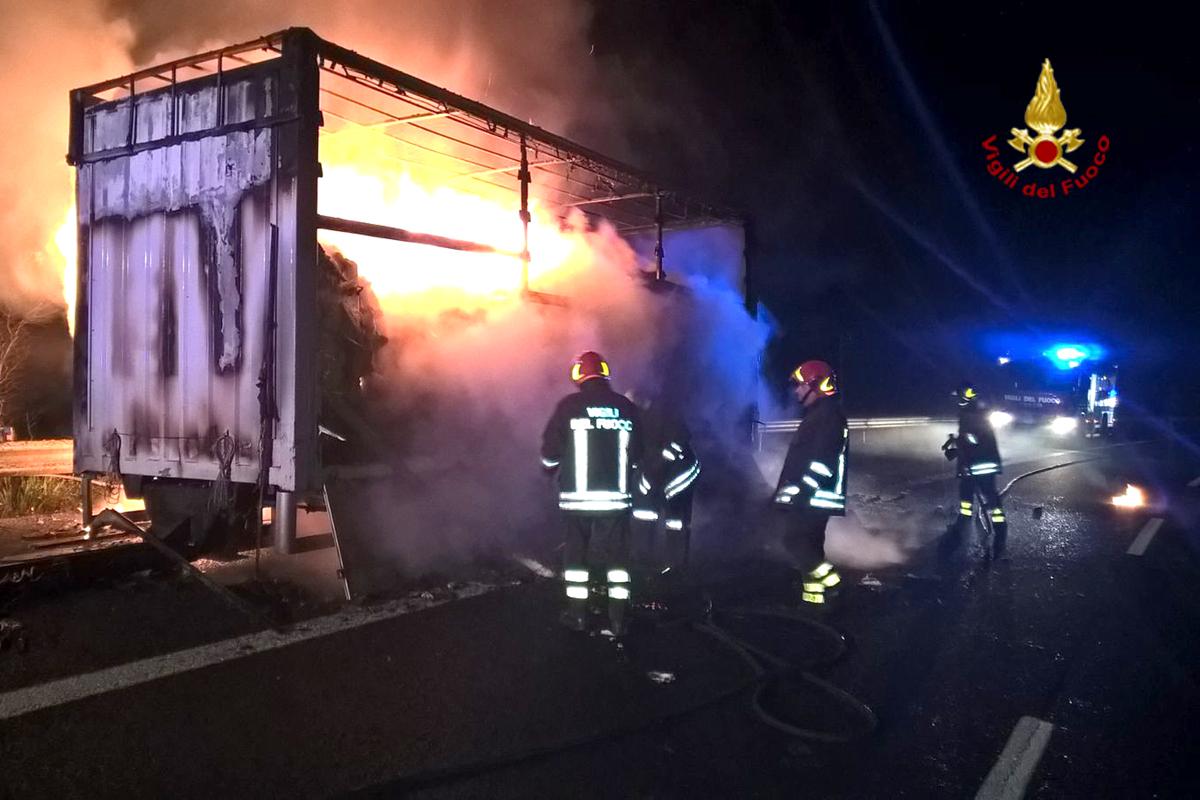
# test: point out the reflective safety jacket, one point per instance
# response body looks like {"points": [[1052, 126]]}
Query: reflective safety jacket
{"points": [[670, 466], [975, 446], [594, 441], [814, 473]]}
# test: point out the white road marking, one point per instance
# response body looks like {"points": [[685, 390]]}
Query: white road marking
{"points": [[1194, 482], [1011, 773], [1144, 537], [78, 687]]}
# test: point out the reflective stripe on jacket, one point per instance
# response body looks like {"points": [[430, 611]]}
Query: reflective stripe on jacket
{"points": [[814, 472], [977, 451], [593, 440]]}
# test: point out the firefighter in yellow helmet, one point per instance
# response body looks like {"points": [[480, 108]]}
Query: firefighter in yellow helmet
{"points": [[593, 443], [978, 463], [812, 483]]}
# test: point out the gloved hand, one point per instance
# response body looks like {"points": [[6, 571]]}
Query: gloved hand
{"points": [[787, 494], [645, 501], [950, 448]]}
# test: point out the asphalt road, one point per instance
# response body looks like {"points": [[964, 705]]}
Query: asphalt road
{"points": [[39, 457], [1069, 670]]}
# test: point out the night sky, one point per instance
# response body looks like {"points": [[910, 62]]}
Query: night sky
{"points": [[851, 135]]}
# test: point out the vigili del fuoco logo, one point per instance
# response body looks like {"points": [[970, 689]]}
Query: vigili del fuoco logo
{"points": [[1049, 147]]}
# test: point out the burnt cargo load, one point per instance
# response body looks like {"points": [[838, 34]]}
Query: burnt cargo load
{"points": [[211, 328]]}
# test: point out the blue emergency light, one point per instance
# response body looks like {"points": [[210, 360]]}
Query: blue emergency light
{"points": [[1069, 356]]}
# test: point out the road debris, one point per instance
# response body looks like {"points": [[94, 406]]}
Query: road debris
{"points": [[661, 677], [536, 567], [12, 636]]}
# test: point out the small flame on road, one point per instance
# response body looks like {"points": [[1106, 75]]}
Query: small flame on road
{"points": [[1133, 497]]}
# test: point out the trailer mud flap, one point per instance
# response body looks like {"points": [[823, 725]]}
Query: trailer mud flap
{"points": [[350, 494]]}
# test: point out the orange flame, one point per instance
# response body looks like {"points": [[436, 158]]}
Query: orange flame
{"points": [[1133, 497], [364, 179], [65, 250]]}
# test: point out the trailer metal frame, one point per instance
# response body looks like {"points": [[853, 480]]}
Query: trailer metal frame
{"points": [[497, 149], [323, 88]]}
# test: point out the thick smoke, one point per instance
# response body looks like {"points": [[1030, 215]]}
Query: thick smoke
{"points": [[465, 395], [462, 395], [45, 50], [527, 57]]}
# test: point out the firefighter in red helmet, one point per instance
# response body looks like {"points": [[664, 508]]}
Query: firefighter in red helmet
{"points": [[812, 483], [593, 442]]}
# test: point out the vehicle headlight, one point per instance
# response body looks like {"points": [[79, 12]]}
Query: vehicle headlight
{"points": [[1061, 426], [999, 419]]}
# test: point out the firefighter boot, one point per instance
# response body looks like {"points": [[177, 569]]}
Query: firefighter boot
{"points": [[616, 616], [672, 575], [953, 536], [999, 533], [618, 600], [820, 586], [678, 544], [574, 616]]}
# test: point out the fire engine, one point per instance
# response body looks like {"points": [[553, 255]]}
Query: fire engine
{"points": [[1069, 389]]}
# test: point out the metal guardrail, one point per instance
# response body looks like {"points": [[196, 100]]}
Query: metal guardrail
{"points": [[764, 428], [864, 423]]}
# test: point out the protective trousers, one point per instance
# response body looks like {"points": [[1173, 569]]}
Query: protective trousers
{"points": [[804, 541], [595, 553], [677, 522], [983, 486]]}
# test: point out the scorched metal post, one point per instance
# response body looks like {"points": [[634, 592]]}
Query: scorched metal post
{"points": [[525, 177]]}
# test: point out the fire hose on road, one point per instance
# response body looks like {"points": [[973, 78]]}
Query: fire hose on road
{"points": [[1063, 464], [772, 673], [1040, 470], [768, 675]]}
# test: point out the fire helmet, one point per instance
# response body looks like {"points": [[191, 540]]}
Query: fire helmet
{"points": [[817, 375], [967, 394], [588, 365]]}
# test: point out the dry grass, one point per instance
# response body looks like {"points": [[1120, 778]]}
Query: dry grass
{"points": [[21, 496]]}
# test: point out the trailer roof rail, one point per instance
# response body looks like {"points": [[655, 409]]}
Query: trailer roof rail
{"points": [[463, 139]]}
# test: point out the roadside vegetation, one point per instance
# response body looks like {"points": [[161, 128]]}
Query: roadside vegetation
{"points": [[23, 495]]}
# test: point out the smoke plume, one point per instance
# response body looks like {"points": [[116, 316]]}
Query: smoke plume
{"points": [[465, 395], [527, 57], [45, 50]]}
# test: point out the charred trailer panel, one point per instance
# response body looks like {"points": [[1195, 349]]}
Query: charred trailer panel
{"points": [[196, 199], [214, 338]]}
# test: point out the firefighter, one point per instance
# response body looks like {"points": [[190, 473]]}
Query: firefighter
{"points": [[978, 464], [667, 483], [812, 483], [593, 442]]}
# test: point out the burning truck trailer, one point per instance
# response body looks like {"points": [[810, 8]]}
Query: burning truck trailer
{"points": [[256, 221]]}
